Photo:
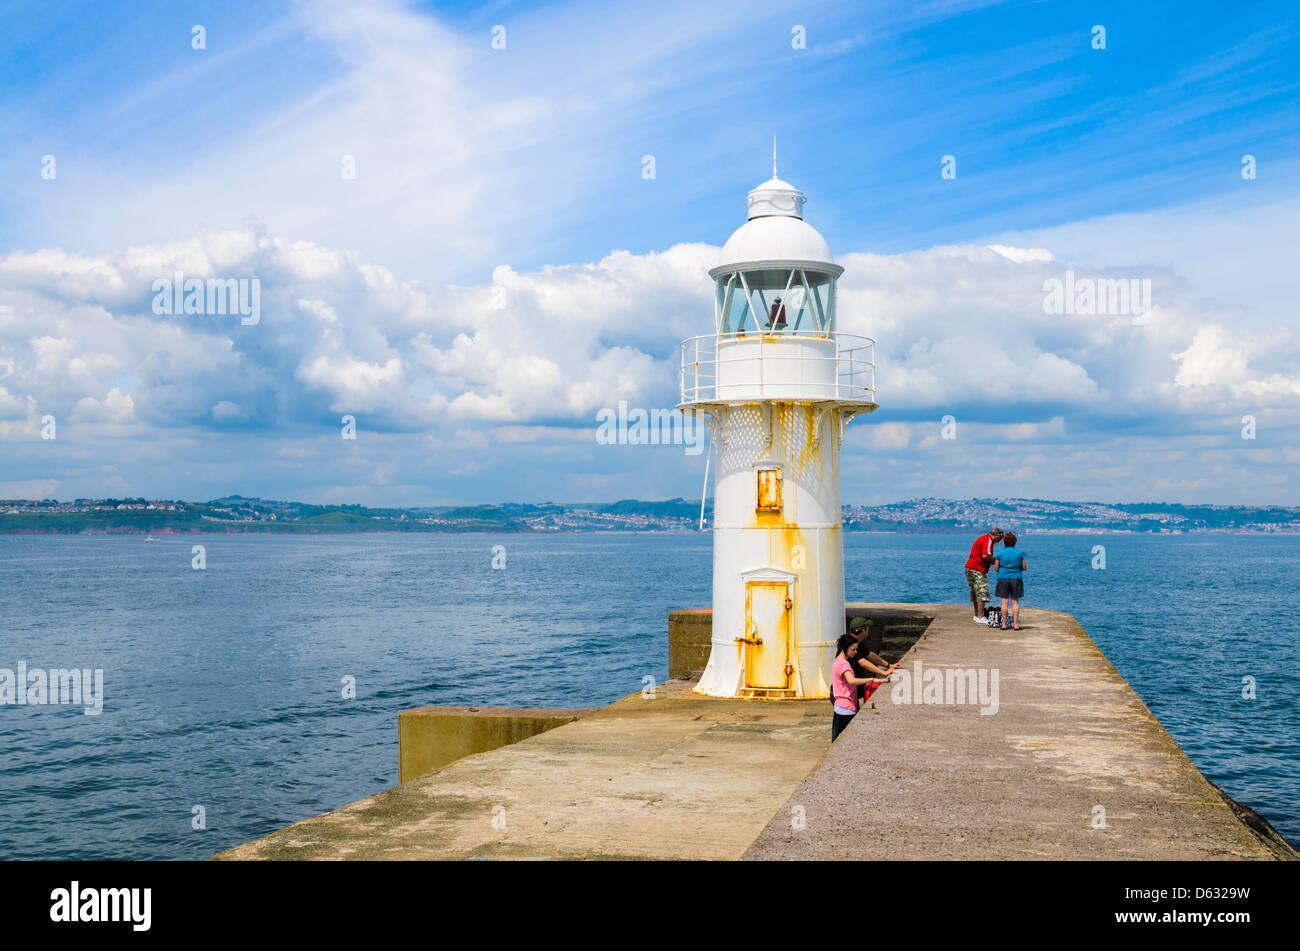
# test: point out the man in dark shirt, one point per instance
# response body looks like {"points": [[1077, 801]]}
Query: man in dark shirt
{"points": [[867, 663]]}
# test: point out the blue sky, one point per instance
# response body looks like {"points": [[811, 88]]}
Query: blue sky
{"points": [[481, 288], [1046, 130]]}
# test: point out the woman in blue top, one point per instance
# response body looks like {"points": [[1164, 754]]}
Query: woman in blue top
{"points": [[1011, 567]]}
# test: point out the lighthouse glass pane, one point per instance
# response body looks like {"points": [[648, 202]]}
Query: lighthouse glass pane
{"points": [[802, 307], [769, 293], [821, 292], [736, 309]]}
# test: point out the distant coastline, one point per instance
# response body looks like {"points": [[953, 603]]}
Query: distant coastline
{"points": [[239, 515]]}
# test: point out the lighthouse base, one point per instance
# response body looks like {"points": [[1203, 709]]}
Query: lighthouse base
{"points": [[766, 693]]}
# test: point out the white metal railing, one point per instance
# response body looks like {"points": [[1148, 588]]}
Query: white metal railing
{"points": [[853, 378]]}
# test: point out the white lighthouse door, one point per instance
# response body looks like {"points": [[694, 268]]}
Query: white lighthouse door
{"points": [[767, 635]]}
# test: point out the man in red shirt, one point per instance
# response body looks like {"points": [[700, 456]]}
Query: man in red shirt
{"points": [[977, 567]]}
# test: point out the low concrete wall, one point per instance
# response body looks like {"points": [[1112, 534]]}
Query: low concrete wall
{"points": [[428, 738], [893, 631], [689, 632]]}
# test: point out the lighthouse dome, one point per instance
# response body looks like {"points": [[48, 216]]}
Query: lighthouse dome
{"points": [[773, 239], [775, 231]]}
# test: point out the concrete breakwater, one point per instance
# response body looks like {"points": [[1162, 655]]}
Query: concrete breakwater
{"points": [[1070, 764]]}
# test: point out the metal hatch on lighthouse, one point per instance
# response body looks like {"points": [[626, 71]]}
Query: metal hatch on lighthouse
{"points": [[777, 384]]}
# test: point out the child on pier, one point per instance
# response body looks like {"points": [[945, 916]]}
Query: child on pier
{"points": [[844, 684]]}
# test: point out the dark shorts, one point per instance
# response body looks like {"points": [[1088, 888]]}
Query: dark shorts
{"points": [[1011, 588], [840, 721]]}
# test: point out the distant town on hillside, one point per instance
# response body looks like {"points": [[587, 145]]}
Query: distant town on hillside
{"points": [[236, 514]]}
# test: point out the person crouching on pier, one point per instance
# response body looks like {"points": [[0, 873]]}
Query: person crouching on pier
{"points": [[1011, 566], [844, 684], [867, 663]]}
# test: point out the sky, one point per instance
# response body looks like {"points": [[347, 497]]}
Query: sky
{"points": [[475, 227]]}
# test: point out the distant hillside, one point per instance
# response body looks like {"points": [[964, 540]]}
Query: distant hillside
{"points": [[938, 515], [243, 515]]}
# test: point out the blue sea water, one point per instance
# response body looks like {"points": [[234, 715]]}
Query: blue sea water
{"points": [[224, 688]]}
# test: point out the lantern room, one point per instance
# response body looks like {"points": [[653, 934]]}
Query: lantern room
{"points": [[776, 275]]}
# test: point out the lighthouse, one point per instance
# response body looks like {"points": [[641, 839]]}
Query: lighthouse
{"points": [[777, 384]]}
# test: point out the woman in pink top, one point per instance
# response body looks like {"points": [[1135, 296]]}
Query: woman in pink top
{"points": [[844, 685]]}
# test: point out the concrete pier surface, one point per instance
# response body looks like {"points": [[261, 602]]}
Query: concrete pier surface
{"points": [[679, 776], [942, 781], [682, 776]]}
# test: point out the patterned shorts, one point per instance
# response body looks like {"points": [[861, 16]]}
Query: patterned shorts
{"points": [[978, 582]]}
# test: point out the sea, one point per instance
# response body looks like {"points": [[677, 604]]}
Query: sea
{"points": [[263, 688]]}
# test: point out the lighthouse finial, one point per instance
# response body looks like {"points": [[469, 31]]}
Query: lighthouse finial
{"points": [[774, 156]]}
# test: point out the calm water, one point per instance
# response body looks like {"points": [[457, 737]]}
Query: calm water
{"points": [[223, 687]]}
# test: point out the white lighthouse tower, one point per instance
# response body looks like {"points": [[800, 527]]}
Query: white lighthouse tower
{"points": [[777, 384]]}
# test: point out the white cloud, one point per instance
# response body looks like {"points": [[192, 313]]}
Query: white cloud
{"points": [[960, 330], [1219, 358], [521, 364], [885, 436], [1021, 255], [115, 407], [31, 489]]}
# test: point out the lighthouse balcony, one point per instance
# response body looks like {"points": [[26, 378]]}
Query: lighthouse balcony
{"points": [[799, 367]]}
